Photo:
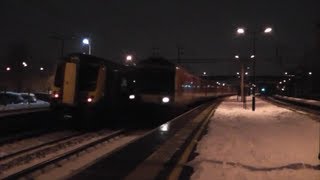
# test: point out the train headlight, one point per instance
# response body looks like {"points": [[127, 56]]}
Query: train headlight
{"points": [[165, 99], [90, 99], [132, 96]]}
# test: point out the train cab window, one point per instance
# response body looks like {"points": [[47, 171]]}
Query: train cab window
{"points": [[88, 75], [153, 80], [58, 81]]}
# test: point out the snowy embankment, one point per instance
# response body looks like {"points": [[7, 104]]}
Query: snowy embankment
{"points": [[300, 100], [270, 143]]}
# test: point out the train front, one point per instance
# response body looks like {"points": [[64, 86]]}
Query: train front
{"points": [[155, 81], [78, 86]]}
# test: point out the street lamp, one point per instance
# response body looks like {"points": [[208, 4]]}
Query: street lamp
{"points": [[236, 56], [8, 68], [253, 34], [24, 64], [310, 73], [240, 30], [204, 73], [129, 58], [86, 41], [41, 68], [268, 30], [252, 56]]}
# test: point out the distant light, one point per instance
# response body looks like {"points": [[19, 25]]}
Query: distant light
{"points": [[280, 82], [24, 64], [177, 67], [204, 73], [246, 73], [240, 30], [86, 41], [89, 99], [41, 69], [236, 56], [248, 67], [223, 84], [268, 30], [252, 56], [263, 89], [132, 96], [8, 68], [310, 73], [286, 73], [165, 99], [284, 81], [129, 58], [56, 95], [134, 81], [282, 89], [238, 73], [289, 79], [164, 127]]}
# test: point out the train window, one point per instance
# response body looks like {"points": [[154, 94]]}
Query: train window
{"points": [[151, 81], [58, 81], [88, 75]]}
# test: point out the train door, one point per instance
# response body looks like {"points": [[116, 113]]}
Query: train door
{"points": [[69, 83]]}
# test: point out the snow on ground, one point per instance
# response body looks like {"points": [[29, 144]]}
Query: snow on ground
{"points": [[270, 143]]}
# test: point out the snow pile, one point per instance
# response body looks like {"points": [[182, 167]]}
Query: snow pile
{"points": [[270, 143]]}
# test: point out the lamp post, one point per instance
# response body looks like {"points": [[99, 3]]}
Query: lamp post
{"points": [[242, 85], [86, 41], [253, 34]]}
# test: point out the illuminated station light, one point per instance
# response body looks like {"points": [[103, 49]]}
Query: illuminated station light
{"points": [[129, 58], [24, 64], [268, 30], [86, 41], [240, 30]]}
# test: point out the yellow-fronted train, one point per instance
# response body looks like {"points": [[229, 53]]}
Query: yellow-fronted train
{"points": [[86, 87]]}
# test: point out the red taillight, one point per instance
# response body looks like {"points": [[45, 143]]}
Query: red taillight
{"points": [[55, 94]]}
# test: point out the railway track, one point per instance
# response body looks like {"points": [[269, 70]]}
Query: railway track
{"points": [[26, 162], [29, 149], [294, 106]]}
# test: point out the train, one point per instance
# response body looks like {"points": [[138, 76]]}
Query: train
{"points": [[85, 85], [162, 82]]}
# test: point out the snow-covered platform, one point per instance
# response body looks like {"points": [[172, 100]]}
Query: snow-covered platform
{"points": [[270, 143]]}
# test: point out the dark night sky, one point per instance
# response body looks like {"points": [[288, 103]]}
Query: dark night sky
{"points": [[205, 29]]}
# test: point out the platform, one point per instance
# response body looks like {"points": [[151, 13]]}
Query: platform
{"points": [[269, 143]]}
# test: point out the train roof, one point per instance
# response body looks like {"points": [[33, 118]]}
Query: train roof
{"points": [[156, 61], [92, 59]]}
